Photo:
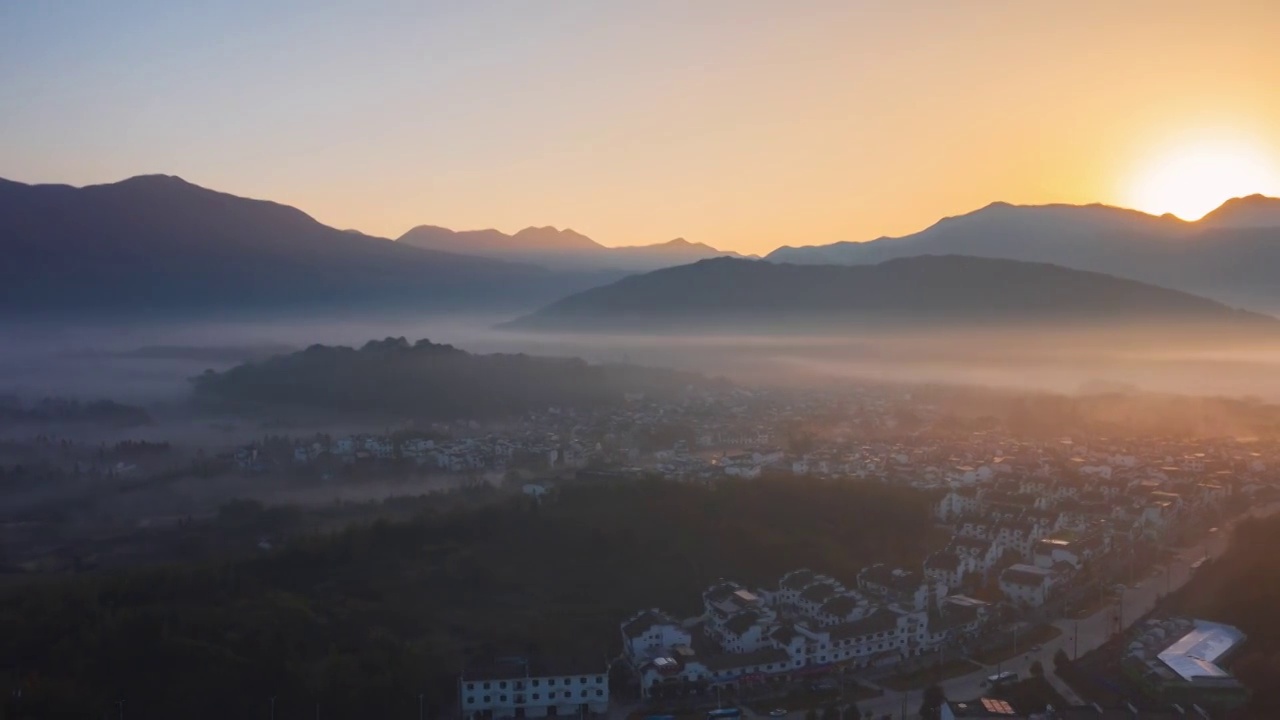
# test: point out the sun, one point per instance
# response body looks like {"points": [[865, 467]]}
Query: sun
{"points": [[1191, 180]]}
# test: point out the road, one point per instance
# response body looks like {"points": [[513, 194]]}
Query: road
{"points": [[1077, 636]]}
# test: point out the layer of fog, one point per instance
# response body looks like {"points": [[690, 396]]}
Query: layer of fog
{"points": [[103, 361]]}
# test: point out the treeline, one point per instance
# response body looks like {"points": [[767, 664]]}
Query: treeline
{"points": [[364, 620], [63, 410], [431, 381]]}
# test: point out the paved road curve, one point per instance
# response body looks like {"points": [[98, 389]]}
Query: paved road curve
{"points": [[1077, 636], [1082, 636]]}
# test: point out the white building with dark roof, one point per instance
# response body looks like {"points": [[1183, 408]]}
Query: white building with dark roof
{"points": [[517, 686], [651, 633], [1026, 585]]}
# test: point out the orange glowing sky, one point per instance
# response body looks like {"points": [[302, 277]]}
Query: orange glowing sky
{"points": [[741, 123]]}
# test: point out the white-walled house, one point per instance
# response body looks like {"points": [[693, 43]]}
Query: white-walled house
{"points": [[651, 632], [947, 568], [520, 687], [1026, 585]]}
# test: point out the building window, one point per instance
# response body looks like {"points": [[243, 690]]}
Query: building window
{"points": [[599, 679], [503, 684], [584, 693], [551, 682], [486, 686], [599, 693], [502, 698], [471, 686], [486, 698], [583, 680], [536, 696]]}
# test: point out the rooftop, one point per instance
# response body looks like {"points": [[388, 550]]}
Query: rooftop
{"points": [[510, 667], [1194, 655]]}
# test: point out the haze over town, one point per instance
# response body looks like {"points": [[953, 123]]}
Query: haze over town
{"points": [[648, 361]]}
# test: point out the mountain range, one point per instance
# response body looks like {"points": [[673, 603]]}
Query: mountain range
{"points": [[924, 291], [158, 245], [560, 249], [1232, 254]]}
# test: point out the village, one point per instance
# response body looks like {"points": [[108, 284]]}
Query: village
{"points": [[1036, 531]]}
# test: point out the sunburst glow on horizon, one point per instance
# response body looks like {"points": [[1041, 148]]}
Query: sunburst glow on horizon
{"points": [[1192, 180]]}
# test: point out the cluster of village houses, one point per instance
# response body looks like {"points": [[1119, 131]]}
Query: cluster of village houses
{"points": [[809, 623], [489, 453], [1025, 526]]}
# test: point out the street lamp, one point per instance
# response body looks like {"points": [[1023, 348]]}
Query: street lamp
{"points": [[273, 707]]}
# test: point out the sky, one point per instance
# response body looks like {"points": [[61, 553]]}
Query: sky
{"points": [[744, 124]]}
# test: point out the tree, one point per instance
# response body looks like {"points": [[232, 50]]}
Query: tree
{"points": [[1060, 659], [1037, 669], [931, 704]]}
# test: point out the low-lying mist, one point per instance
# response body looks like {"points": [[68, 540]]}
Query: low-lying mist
{"points": [[151, 363]]}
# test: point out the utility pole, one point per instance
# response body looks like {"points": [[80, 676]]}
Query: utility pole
{"points": [[273, 707], [120, 705], [1075, 640], [419, 706]]}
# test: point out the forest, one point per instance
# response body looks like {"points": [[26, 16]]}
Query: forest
{"points": [[70, 411], [430, 381], [363, 620]]}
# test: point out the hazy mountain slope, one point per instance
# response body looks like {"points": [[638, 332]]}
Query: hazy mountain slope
{"points": [[559, 249], [1254, 211], [1231, 254], [158, 243], [1061, 234], [926, 289]]}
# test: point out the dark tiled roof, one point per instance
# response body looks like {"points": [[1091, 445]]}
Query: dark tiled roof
{"points": [[784, 634], [796, 580], [640, 624], [840, 605], [1022, 577], [875, 622], [818, 593], [518, 666], [721, 591], [741, 622]]}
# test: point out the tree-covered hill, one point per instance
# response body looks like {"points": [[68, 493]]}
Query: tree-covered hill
{"points": [[433, 381]]}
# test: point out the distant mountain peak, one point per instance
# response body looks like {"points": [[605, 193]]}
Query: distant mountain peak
{"points": [[1250, 211], [551, 238], [155, 180]]}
